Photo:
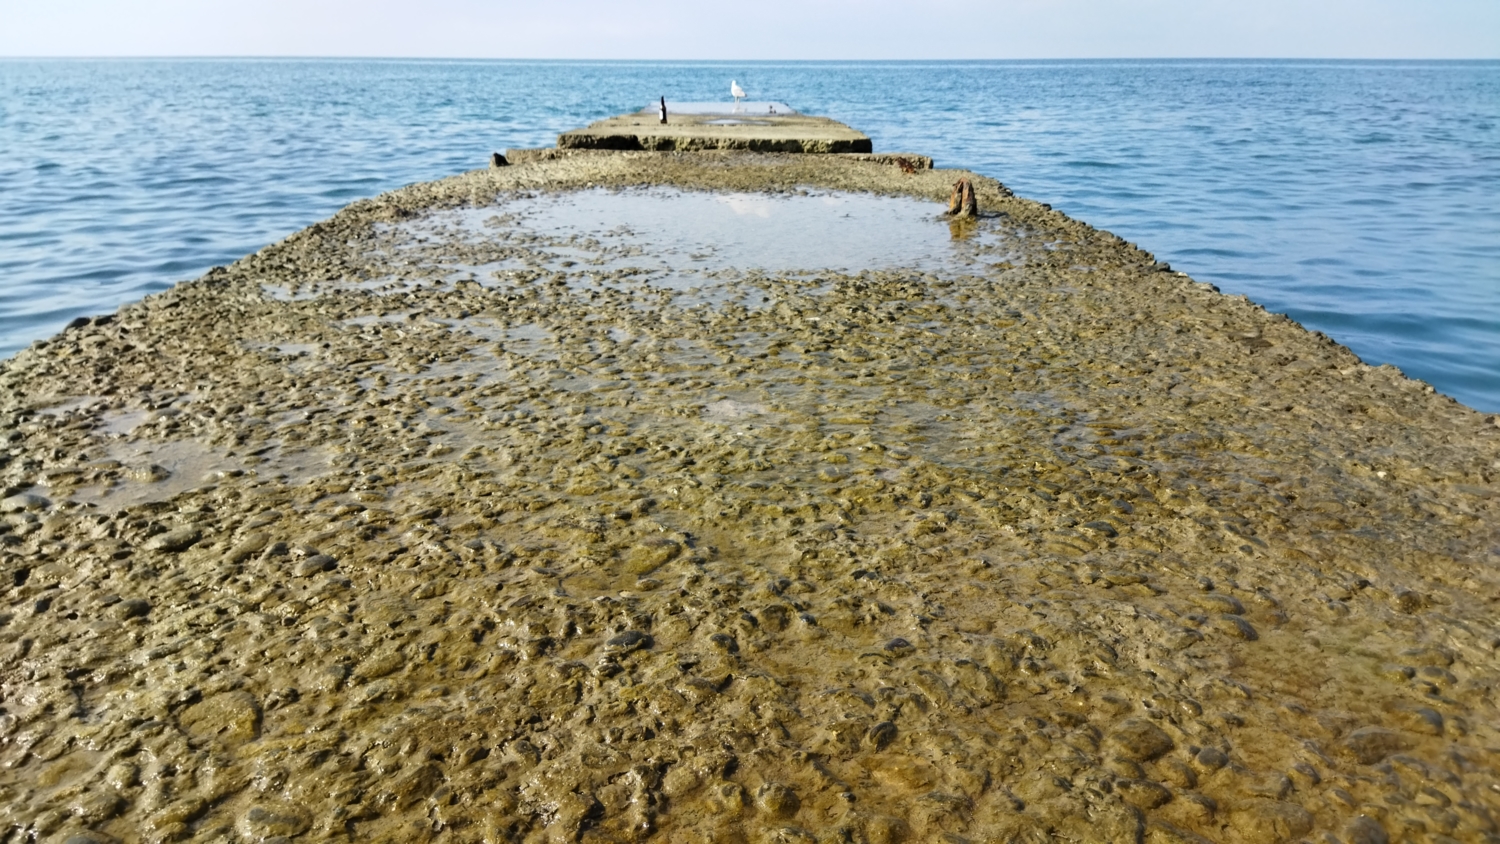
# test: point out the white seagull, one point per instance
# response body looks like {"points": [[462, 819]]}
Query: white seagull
{"points": [[736, 91]]}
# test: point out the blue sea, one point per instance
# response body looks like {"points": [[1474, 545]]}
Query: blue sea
{"points": [[1361, 198]]}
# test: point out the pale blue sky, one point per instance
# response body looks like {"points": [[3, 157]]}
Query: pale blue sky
{"points": [[770, 29]]}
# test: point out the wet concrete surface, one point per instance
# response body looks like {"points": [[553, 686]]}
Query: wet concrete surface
{"points": [[542, 504]]}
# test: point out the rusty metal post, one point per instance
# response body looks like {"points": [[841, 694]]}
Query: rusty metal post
{"points": [[961, 203]]}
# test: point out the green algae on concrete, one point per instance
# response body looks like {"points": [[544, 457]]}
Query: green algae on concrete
{"points": [[458, 518]]}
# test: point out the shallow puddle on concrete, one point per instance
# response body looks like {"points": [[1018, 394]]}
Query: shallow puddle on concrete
{"points": [[154, 471], [729, 410], [106, 415], [531, 340], [476, 369], [490, 332], [116, 422], [72, 405], [290, 350], [374, 319], [282, 293], [681, 230], [665, 247]]}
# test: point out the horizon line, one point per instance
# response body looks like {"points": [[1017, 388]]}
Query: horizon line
{"points": [[352, 57]]}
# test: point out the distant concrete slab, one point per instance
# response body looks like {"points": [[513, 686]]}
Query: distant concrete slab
{"points": [[725, 126], [728, 109], [895, 159]]}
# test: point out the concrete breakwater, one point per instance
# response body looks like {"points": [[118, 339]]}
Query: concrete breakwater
{"points": [[684, 127], [520, 506]]}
